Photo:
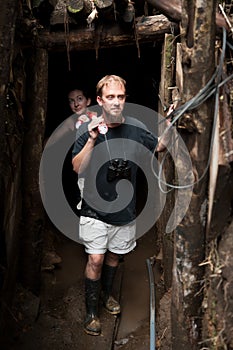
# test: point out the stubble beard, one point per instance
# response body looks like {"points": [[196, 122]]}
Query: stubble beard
{"points": [[113, 118]]}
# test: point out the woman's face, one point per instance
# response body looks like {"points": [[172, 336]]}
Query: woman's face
{"points": [[78, 102]]}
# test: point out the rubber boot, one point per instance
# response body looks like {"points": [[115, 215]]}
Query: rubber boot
{"points": [[92, 292], [110, 304]]}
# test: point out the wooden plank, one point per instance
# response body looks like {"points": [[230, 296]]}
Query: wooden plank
{"points": [[179, 71], [167, 78]]}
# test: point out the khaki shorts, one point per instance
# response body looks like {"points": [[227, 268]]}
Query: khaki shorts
{"points": [[98, 237]]}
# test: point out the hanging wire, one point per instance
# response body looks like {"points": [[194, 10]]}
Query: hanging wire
{"points": [[212, 87]]}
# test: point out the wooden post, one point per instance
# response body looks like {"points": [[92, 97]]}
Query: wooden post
{"points": [[33, 213], [166, 83], [198, 41], [166, 239], [10, 165]]}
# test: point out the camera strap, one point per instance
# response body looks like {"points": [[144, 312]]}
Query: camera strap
{"points": [[108, 148]]}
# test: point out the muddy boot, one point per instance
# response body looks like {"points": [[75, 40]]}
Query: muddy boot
{"points": [[110, 304], [92, 292]]}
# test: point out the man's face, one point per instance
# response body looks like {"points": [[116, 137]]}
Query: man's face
{"points": [[112, 102], [78, 102]]}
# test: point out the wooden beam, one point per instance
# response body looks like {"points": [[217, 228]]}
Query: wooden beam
{"points": [[149, 29], [173, 10]]}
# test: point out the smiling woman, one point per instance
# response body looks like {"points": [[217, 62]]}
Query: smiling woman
{"points": [[78, 101]]}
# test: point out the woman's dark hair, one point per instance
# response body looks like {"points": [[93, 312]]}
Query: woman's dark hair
{"points": [[84, 90]]}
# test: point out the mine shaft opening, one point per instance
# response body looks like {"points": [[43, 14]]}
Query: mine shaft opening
{"points": [[142, 76], [68, 70]]}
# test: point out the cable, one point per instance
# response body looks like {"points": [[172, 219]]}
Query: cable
{"points": [[193, 103], [149, 263]]}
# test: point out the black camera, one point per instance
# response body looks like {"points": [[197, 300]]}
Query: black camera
{"points": [[119, 169]]}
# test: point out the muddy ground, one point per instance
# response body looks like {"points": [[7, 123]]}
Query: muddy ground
{"points": [[54, 319]]}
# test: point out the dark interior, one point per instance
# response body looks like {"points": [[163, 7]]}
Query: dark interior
{"points": [[141, 74]]}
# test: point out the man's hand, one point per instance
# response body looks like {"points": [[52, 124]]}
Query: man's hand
{"points": [[166, 137], [170, 110], [93, 127]]}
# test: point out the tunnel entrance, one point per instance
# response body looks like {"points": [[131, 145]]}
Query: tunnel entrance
{"points": [[141, 74], [82, 69], [63, 281]]}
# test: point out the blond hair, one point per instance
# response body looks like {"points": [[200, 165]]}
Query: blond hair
{"points": [[108, 79]]}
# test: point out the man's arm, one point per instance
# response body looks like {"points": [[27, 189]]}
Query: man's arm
{"points": [[82, 159], [164, 140]]}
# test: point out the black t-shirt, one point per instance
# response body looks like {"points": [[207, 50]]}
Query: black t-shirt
{"points": [[110, 177]]}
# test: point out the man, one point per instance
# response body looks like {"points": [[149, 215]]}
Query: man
{"points": [[107, 225]]}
